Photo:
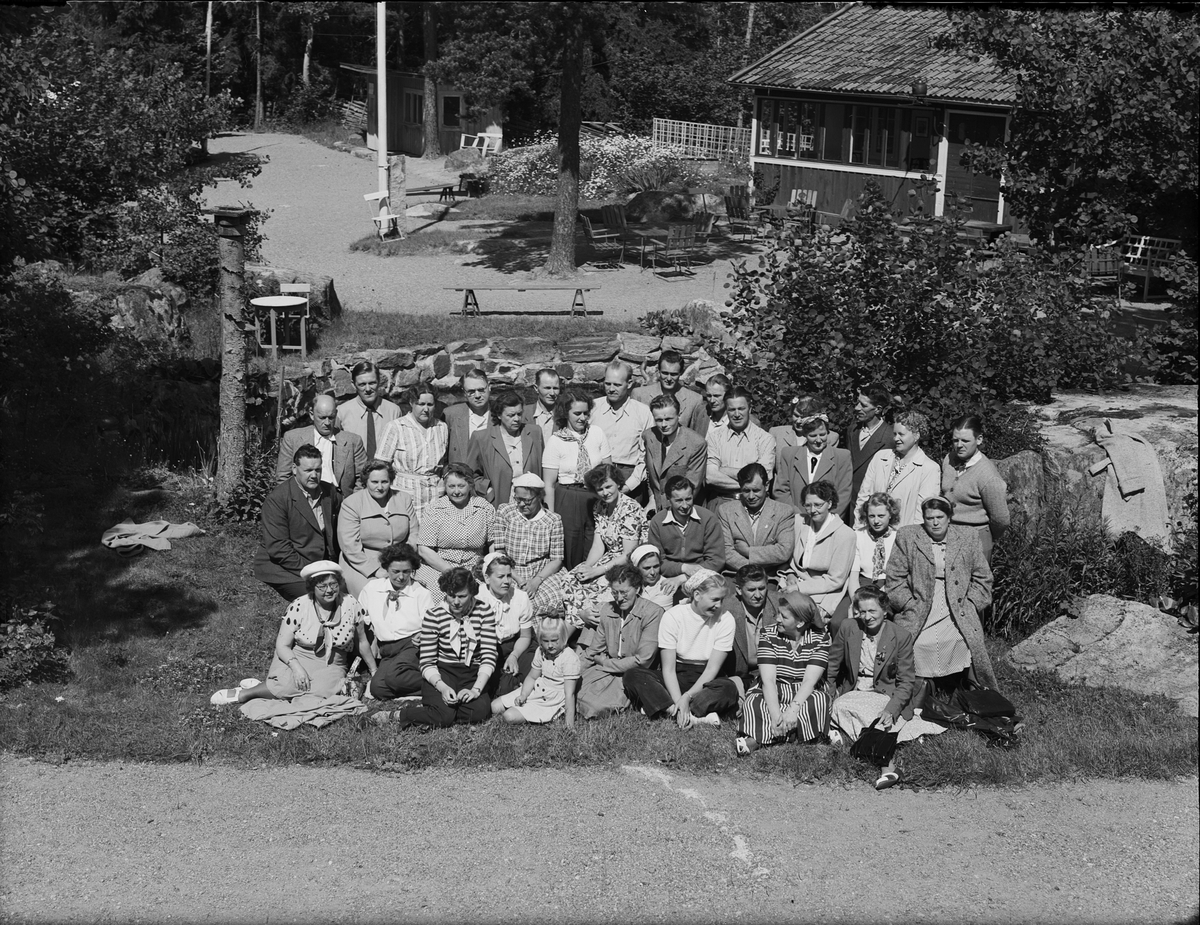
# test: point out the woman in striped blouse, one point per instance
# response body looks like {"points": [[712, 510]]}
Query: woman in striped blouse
{"points": [[458, 656]]}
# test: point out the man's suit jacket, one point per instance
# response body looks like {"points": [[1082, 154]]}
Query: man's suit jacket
{"points": [[531, 421], [457, 418], [687, 455], [894, 674], [488, 457], [744, 659], [785, 437], [859, 458], [291, 538], [771, 542], [349, 457], [833, 465]]}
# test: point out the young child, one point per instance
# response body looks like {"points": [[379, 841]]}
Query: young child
{"points": [[549, 688], [514, 621]]}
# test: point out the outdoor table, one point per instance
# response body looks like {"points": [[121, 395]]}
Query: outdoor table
{"points": [[276, 305], [653, 234]]}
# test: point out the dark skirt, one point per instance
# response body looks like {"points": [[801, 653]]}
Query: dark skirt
{"points": [[573, 503]]}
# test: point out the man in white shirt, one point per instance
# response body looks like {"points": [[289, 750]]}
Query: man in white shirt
{"points": [[368, 413], [547, 384], [473, 415], [396, 607], [738, 444], [624, 420]]}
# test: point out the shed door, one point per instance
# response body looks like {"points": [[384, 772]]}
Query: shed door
{"points": [[981, 190]]}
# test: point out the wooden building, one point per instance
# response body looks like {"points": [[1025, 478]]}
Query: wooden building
{"points": [[865, 95], [406, 121]]}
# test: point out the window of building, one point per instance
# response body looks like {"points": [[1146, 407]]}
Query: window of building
{"points": [[451, 107], [414, 107]]}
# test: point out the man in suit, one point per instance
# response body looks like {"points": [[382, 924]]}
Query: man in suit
{"points": [[757, 530], [368, 412], [343, 456], [672, 449], [540, 413], [869, 435], [505, 450], [670, 368], [466, 419], [297, 525], [811, 462]]}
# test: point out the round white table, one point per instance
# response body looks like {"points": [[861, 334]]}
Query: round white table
{"points": [[277, 306]]}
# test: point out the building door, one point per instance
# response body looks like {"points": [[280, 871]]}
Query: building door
{"points": [[980, 190]]}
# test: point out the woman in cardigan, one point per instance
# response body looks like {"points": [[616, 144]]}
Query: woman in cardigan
{"points": [[507, 448], [938, 583], [973, 484], [574, 448], [875, 540], [823, 556], [904, 472], [458, 657], [370, 521]]}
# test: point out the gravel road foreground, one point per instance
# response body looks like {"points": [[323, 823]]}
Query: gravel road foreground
{"points": [[180, 843]]}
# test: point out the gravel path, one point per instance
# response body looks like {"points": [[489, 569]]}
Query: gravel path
{"points": [[138, 843], [318, 211]]}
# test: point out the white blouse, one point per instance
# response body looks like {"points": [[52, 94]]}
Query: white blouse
{"points": [[563, 455]]}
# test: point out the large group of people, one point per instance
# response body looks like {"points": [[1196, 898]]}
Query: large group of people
{"points": [[652, 550]]}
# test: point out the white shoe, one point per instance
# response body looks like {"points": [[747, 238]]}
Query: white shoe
{"points": [[710, 720], [224, 697], [247, 683], [835, 738]]}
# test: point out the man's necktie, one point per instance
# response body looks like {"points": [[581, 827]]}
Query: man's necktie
{"points": [[370, 433]]}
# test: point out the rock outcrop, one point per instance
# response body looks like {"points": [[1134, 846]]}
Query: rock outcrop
{"points": [[1106, 641]]}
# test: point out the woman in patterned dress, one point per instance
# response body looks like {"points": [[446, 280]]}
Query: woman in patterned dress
{"points": [[789, 697], [319, 632], [620, 527], [455, 529], [416, 446]]}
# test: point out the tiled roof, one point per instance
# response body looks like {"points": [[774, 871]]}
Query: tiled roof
{"points": [[878, 50]]}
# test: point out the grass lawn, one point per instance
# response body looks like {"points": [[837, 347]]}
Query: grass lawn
{"points": [[152, 637]]}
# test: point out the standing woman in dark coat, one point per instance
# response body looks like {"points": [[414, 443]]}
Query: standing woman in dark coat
{"points": [[939, 582]]}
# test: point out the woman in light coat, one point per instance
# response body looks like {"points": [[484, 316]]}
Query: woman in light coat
{"points": [[904, 472], [823, 556], [939, 582]]}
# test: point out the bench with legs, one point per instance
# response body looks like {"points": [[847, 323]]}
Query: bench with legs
{"points": [[470, 305]]}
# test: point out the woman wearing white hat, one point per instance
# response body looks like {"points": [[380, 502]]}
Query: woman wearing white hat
{"points": [[655, 588], [313, 647]]}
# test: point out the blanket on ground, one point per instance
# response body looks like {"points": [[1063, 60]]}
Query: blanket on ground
{"points": [[310, 709]]}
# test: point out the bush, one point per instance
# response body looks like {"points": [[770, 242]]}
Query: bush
{"points": [[29, 649], [1171, 350], [247, 498], [946, 331], [608, 167]]}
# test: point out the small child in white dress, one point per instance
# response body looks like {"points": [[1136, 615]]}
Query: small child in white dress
{"points": [[549, 689]]}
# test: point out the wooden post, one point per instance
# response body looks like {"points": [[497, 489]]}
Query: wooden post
{"points": [[231, 450]]}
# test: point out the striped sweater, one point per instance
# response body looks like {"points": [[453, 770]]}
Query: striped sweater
{"points": [[476, 638]]}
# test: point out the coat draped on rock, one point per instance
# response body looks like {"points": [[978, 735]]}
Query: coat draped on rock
{"points": [[968, 582]]}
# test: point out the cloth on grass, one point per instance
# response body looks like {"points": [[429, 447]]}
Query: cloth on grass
{"points": [[306, 709], [1135, 499], [156, 534], [855, 710]]}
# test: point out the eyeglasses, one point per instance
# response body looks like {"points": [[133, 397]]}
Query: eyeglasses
{"points": [[523, 501], [331, 584]]}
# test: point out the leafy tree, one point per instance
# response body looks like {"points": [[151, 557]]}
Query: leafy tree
{"points": [[949, 333], [1103, 137]]}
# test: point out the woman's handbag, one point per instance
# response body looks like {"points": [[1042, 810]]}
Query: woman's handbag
{"points": [[874, 746]]}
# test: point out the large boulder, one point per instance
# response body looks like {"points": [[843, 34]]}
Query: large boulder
{"points": [[153, 316], [1164, 415], [324, 305], [464, 160], [1025, 475], [653, 206], [1108, 642]]}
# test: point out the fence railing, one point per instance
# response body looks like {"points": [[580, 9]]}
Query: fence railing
{"points": [[698, 140]]}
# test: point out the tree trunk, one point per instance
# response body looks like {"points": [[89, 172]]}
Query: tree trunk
{"points": [[207, 68], [258, 100], [231, 451], [746, 55], [309, 29], [562, 242], [432, 148]]}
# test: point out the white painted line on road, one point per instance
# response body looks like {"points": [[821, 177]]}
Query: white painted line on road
{"points": [[741, 847]]}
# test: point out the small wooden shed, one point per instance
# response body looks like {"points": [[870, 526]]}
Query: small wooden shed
{"points": [[865, 95], [406, 121]]}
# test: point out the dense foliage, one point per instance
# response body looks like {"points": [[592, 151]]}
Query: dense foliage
{"points": [[945, 330], [1103, 136]]}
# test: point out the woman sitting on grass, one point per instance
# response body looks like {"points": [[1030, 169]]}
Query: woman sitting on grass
{"points": [[313, 646], [788, 697], [458, 656], [514, 622], [655, 588], [548, 691], [872, 677], [694, 642]]}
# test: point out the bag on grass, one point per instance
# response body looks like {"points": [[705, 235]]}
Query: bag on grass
{"points": [[962, 710], [874, 746]]}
